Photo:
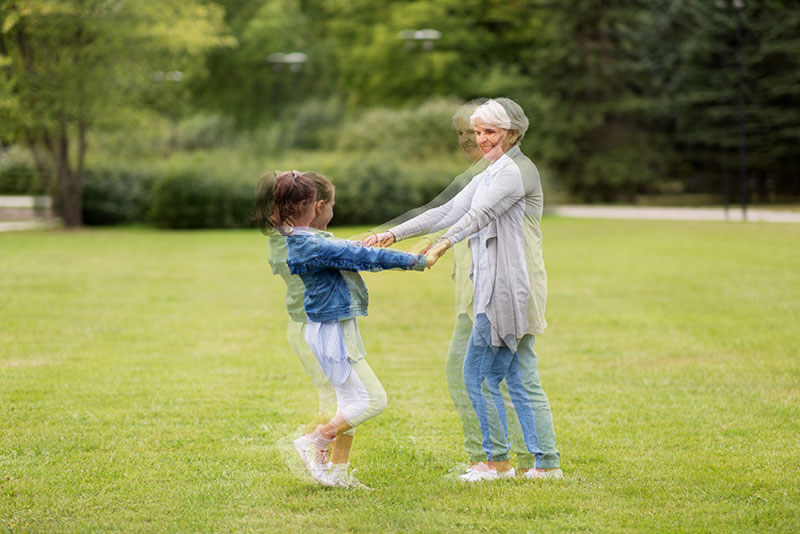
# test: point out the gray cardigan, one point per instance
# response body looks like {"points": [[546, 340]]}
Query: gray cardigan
{"points": [[509, 206]]}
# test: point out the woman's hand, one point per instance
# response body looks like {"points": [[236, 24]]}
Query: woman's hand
{"points": [[437, 251], [384, 239]]}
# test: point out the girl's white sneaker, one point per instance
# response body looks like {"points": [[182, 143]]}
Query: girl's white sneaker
{"points": [[316, 461], [344, 477], [319, 472], [303, 447]]}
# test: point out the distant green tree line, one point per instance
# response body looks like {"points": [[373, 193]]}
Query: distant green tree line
{"points": [[644, 96], [626, 97]]}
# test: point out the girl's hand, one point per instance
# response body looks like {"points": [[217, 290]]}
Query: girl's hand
{"points": [[437, 251], [421, 246], [384, 239]]}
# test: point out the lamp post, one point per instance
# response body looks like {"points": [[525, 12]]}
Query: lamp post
{"points": [[293, 61], [738, 7], [427, 39]]}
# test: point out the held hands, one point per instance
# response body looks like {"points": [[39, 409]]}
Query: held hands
{"points": [[432, 252], [421, 246], [384, 239], [437, 251]]}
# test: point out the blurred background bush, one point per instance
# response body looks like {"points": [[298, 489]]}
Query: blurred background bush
{"points": [[17, 173]]}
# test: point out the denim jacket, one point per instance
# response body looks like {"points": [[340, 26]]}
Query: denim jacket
{"points": [[319, 261], [294, 284]]}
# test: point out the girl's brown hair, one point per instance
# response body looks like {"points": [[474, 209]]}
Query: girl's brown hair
{"points": [[279, 196]]}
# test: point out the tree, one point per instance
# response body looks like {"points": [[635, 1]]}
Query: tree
{"points": [[247, 83], [709, 115], [598, 98], [72, 65]]}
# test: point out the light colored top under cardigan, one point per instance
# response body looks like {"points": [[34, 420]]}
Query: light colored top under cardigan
{"points": [[503, 207]]}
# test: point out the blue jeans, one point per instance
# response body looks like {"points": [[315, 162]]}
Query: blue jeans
{"points": [[484, 362], [454, 371]]}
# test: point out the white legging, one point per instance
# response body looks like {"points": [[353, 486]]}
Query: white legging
{"points": [[361, 397]]}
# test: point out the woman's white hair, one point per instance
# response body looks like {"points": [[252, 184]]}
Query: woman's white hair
{"points": [[502, 113], [465, 111]]}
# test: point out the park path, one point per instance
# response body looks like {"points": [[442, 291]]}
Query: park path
{"points": [[581, 212], [674, 214]]}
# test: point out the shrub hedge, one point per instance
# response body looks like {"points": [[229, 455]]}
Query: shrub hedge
{"points": [[117, 196], [214, 189], [195, 194], [17, 173], [186, 199]]}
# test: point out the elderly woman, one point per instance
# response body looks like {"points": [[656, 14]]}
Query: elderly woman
{"points": [[499, 213]]}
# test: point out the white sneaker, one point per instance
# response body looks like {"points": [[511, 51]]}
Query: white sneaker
{"points": [[303, 447], [345, 478], [321, 456], [507, 474], [534, 474], [319, 472], [316, 461], [478, 472]]}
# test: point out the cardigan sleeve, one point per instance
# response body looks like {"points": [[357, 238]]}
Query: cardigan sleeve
{"points": [[506, 189]]}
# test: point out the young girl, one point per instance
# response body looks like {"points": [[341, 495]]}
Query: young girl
{"points": [[295, 290], [334, 295]]}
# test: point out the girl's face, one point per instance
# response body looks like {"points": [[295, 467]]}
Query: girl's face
{"points": [[493, 140], [323, 212]]}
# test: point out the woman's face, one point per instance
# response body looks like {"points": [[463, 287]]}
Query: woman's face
{"points": [[466, 139], [493, 140]]}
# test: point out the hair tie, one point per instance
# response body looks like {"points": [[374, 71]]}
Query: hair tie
{"points": [[295, 174]]}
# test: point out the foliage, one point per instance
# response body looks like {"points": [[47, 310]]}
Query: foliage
{"points": [[244, 83], [374, 189], [597, 109], [185, 199], [624, 98], [210, 191], [416, 132], [145, 378], [17, 173], [117, 195], [72, 65], [315, 124], [203, 130], [710, 117]]}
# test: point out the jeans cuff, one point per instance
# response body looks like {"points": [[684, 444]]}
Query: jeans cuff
{"points": [[526, 460], [547, 462]]}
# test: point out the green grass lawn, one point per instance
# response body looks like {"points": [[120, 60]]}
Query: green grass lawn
{"points": [[145, 378]]}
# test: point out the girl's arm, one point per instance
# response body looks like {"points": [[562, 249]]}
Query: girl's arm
{"points": [[309, 253]]}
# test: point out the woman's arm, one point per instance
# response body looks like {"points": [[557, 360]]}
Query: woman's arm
{"points": [[505, 190]]}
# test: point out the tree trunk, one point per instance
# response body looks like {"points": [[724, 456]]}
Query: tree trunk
{"points": [[43, 152], [70, 185]]}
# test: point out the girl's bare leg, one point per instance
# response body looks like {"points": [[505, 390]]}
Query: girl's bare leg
{"points": [[341, 448]]}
